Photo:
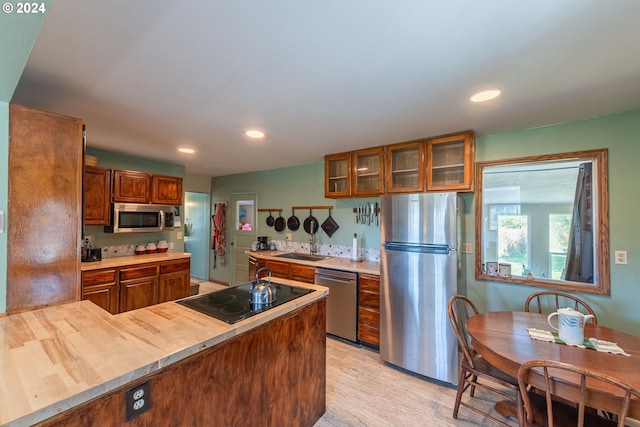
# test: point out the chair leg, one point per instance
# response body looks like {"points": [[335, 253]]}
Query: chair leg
{"points": [[473, 387], [461, 388]]}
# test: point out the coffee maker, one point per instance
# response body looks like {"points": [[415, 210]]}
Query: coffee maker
{"points": [[263, 243]]}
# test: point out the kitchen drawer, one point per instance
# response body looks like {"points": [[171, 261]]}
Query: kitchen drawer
{"points": [[369, 335], [370, 300], [139, 271], [369, 317], [172, 267], [278, 269], [302, 273], [98, 277], [369, 282]]}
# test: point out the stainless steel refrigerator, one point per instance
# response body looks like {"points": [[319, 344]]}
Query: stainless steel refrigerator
{"points": [[420, 270]]}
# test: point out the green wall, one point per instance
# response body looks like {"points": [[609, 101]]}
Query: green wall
{"points": [[111, 160], [4, 178], [620, 133]]}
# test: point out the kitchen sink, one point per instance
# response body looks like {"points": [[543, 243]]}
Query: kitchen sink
{"points": [[303, 257]]}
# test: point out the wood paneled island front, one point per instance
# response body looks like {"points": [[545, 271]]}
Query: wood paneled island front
{"points": [[72, 365]]}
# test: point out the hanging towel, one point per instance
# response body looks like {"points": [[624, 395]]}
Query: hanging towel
{"points": [[218, 237]]}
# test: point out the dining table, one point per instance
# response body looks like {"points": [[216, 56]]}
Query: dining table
{"points": [[503, 339]]}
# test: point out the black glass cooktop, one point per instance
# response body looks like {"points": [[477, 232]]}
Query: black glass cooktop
{"points": [[234, 304]]}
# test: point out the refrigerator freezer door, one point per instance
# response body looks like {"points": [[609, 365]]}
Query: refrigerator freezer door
{"points": [[419, 218], [415, 333]]}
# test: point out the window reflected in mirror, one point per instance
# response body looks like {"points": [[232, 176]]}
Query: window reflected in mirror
{"points": [[543, 221]]}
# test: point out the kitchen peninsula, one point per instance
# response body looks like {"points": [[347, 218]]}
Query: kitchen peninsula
{"points": [[72, 365]]}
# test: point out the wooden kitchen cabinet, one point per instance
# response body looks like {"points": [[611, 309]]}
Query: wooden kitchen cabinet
{"points": [[166, 190], [101, 288], [367, 172], [450, 162], [404, 171], [369, 310], [278, 269], [97, 196], [44, 191], [131, 187], [255, 264], [337, 175], [302, 273], [138, 286], [174, 281]]}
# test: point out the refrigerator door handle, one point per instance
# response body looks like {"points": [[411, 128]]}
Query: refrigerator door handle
{"points": [[425, 248]]}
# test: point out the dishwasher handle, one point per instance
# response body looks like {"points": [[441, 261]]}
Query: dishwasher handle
{"points": [[334, 278]]}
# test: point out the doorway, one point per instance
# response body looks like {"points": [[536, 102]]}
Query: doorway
{"points": [[243, 223], [197, 225]]}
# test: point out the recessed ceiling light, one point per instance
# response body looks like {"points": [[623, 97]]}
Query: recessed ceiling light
{"points": [[186, 150], [485, 95], [254, 134]]}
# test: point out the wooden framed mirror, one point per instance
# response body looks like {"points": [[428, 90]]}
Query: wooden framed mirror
{"points": [[544, 221]]}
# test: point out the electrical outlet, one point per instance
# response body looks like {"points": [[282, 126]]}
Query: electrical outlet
{"points": [[138, 400], [287, 237], [88, 240], [179, 235], [621, 257]]}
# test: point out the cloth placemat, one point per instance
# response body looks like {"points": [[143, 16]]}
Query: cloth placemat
{"points": [[590, 343]]}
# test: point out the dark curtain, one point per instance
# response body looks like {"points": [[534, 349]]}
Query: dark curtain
{"points": [[579, 264]]}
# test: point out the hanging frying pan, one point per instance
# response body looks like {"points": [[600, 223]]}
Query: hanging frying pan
{"points": [[279, 223], [311, 224], [293, 222], [270, 220], [329, 225]]}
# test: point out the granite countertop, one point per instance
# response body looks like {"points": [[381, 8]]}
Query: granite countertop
{"points": [[369, 267], [55, 358], [132, 260]]}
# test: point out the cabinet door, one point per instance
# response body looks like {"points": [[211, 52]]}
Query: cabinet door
{"points": [[97, 196], [131, 186], [101, 288], [337, 175], [138, 293], [302, 273], [368, 172], [404, 167], [174, 280], [166, 190], [44, 210], [450, 162]]}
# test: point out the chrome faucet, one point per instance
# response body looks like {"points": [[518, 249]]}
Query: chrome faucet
{"points": [[312, 241]]}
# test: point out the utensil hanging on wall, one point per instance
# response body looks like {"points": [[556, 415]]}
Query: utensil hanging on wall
{"points": [[279, 223], [311, 223], [293, 222], [270, 220], [329, 225]]}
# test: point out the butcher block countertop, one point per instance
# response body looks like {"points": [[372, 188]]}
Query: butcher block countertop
{"points": [[338, 263], [55, 358], [132, 260]]}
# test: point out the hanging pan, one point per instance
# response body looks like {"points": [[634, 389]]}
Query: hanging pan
{"points": [[279, 223], [293, 222], [329, 225], [270, 220], [311, 224]]}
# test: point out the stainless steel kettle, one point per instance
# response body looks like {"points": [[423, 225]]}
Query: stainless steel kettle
{"points": [[263, 292]]}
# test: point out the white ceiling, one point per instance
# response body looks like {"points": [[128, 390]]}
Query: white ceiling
{"points": [[324, 76]]}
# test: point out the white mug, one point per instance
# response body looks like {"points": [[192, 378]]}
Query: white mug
{"points": [[492, 268], [570, 325], [504, 270]]}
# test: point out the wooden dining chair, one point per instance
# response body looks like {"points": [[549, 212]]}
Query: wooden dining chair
{"points": [[550, 301], [474, 367], [543, 410]]}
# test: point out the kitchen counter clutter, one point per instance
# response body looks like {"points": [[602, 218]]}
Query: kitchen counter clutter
{"points": [[132, 260], [368, 267], [61, 357]]}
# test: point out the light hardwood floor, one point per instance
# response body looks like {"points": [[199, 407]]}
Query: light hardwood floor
{"points": [[364, 391]]}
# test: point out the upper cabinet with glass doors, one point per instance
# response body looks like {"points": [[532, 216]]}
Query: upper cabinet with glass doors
{"points": [[450, 162], [337, 175], [368, 172], [405, 167]]}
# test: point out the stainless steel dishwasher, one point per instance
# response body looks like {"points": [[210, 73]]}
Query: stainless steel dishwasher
{"points": [[342, 302]]}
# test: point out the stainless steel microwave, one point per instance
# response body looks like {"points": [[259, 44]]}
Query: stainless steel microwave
{"points": [[135, 218]]}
